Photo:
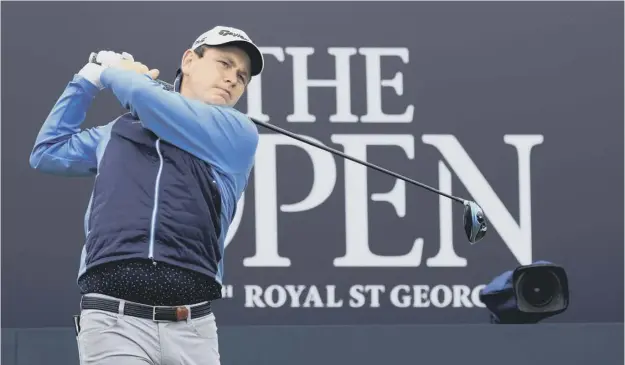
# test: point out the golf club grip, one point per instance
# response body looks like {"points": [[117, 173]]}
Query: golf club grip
{"points": [[170, 87]]}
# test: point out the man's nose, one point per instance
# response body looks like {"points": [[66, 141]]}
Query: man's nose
{"points": [[230, 78]]}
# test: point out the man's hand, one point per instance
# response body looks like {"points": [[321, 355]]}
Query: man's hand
{"points": [[138, 67], [110, 58], [92, 71]]}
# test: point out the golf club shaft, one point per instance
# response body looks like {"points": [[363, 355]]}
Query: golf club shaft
{"points": [[365, 163], [339, 153]]}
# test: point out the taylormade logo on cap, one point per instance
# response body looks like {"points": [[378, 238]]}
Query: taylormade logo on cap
{"points": [[219, 35], [225, 33]]}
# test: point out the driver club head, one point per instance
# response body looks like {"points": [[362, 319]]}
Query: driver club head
{"points": [[474, 221]]}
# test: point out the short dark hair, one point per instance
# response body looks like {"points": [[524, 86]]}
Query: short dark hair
{"points": [[201, 49]]}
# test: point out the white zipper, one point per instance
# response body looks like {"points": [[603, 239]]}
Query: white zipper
{"points": [[155, 209]]}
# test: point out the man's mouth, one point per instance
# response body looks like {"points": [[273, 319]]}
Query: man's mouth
{"points": [[226, 93]]}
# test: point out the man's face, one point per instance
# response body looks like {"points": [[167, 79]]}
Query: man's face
{"points": [[219, 77]]}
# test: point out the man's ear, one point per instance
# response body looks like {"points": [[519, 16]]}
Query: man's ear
{"points": [[187, 58]]}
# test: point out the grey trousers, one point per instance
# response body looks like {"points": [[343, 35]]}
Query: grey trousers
{"points": [[107, 338]]}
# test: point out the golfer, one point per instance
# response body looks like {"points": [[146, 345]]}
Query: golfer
{"points": [[168, 175]]}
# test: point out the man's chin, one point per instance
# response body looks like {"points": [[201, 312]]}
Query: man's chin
{"points": [[217, 100]]}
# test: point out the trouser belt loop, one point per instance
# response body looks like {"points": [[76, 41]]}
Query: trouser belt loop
{"points": [[120, 310]]}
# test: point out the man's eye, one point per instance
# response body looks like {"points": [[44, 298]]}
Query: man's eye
{"points": [[223, 63]]}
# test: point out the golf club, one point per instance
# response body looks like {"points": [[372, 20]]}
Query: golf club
{"points": [[475, 226]]}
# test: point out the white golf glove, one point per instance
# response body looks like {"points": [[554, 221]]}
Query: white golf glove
{"points": [[92, 71], [110, 58]]}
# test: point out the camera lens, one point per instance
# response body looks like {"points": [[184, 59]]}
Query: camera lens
{"points": [[538, 287]]}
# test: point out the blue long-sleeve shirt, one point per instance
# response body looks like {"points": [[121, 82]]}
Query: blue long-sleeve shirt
{"points": [[168, 174]]}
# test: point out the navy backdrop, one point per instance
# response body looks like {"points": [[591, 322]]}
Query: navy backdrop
{"points": [[518, 106]]}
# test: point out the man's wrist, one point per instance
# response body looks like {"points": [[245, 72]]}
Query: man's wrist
{"points": [[92, 72], [108, 74]]}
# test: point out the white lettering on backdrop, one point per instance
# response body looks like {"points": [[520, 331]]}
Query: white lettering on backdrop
{"points": [[517, 236]]}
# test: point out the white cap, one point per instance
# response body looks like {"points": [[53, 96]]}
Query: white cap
{"points": [[221, 35]]}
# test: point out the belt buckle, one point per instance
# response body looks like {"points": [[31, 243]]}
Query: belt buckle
{"points": [[180, 314], [154, 314]]}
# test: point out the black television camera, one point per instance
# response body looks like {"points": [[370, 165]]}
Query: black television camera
{"points": [[527, 294]]}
